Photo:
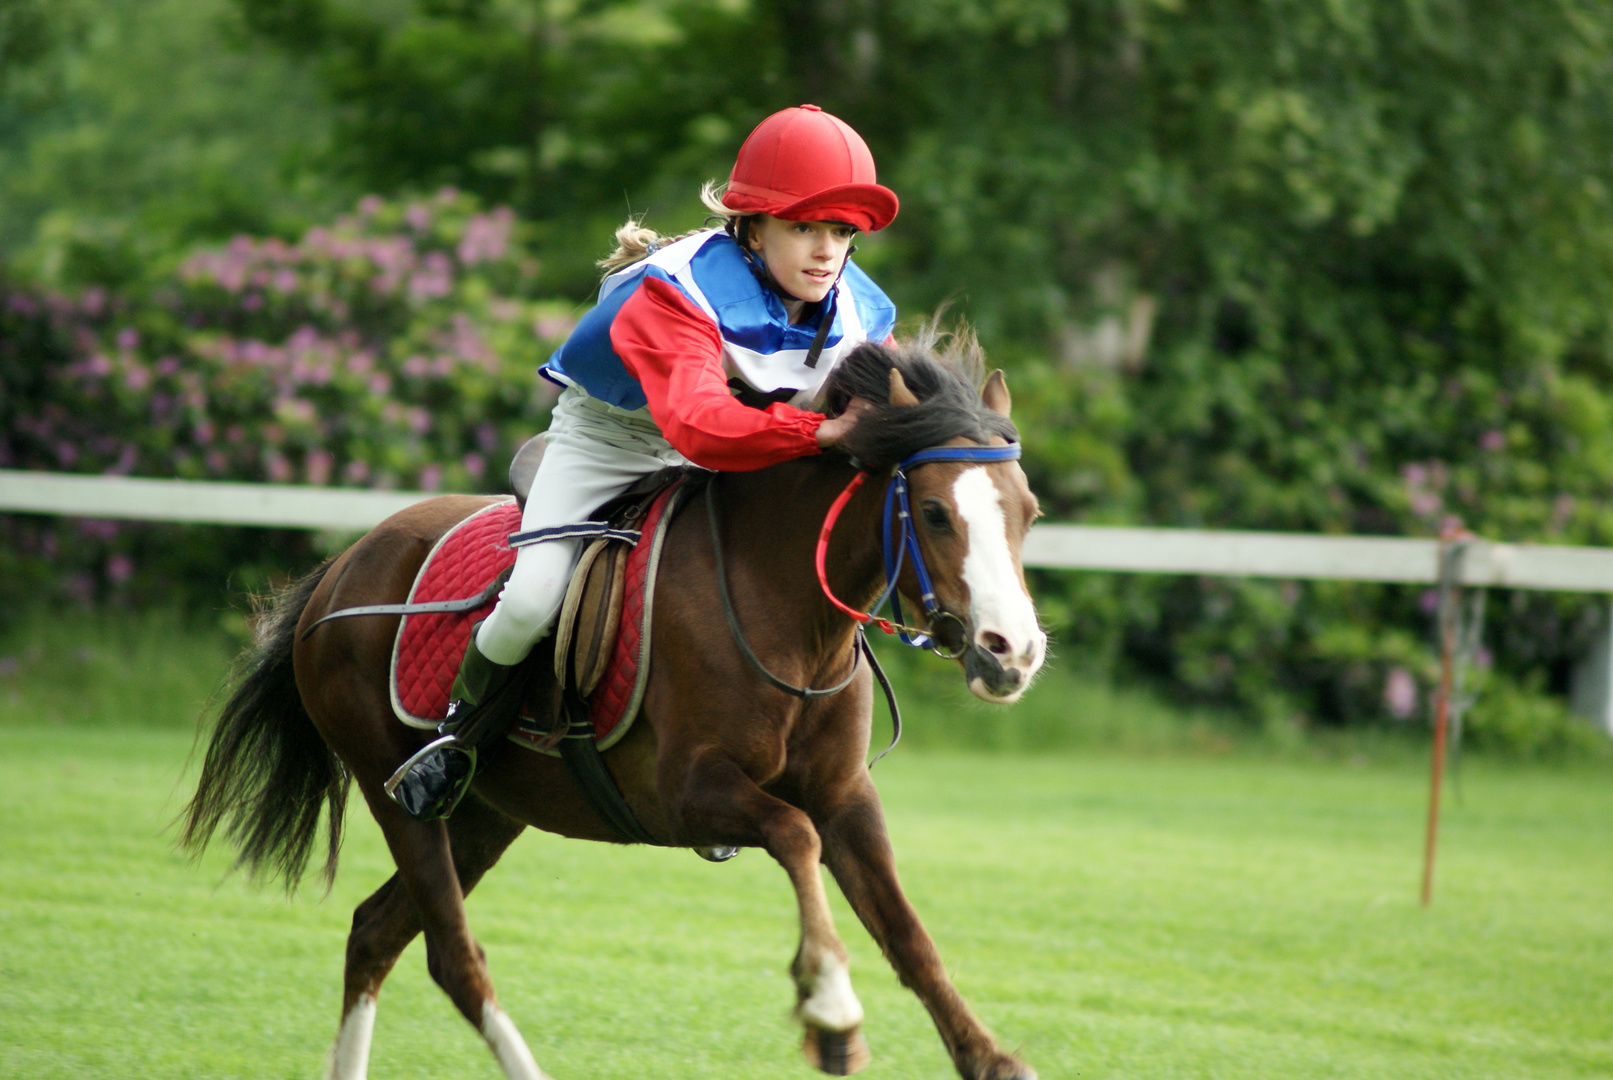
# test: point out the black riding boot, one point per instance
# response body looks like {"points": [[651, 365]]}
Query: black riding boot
{"points": [[483, 703]]}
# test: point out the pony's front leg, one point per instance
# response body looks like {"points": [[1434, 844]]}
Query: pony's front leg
{"points": [[718, 801], [858, 853]]}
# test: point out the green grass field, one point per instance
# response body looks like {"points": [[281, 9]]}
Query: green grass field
{"points": [[1183, 912]]}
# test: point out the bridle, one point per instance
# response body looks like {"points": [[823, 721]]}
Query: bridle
{"points": [[900, 542], [905, 545]]}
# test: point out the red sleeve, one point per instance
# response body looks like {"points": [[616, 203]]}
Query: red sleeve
{"points": [[672, 348]]}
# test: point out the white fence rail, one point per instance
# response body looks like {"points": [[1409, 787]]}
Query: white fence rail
{"points": [[1072, 547], [209, 503], [1067, 547]]}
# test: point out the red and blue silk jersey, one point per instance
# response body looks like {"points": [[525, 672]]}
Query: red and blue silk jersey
{"points": [[670, 331]]}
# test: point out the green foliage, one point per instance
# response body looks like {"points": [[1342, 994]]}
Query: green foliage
{"points": [[132, 128], [1266, 264], [1521, 721]]}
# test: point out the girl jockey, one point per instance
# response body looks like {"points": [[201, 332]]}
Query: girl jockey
{"points": [[710, 349]]}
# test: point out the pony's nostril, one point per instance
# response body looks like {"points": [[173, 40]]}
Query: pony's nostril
{"points": [[995, 644]]}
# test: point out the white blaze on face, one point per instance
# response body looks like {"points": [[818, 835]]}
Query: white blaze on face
{"points": [[350, 1057], [998, 604]]}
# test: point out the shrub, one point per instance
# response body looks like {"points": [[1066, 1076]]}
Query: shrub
{"points": [[396, 348]]}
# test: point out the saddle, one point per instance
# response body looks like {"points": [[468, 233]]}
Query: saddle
{"points": [[599, 647]]}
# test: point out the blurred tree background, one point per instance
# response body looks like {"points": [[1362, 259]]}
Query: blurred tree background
{"points": [[1273, 264]]}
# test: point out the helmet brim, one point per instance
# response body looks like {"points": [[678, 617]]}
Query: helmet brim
{"points": [[869, 207]]}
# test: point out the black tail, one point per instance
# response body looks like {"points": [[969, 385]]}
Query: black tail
{"points": [[267, 770]]}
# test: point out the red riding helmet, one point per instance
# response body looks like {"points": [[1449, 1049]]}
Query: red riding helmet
{"points": [[804, 165]]}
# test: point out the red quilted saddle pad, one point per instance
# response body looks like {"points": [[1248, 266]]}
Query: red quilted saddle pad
{"points": [[429, 646]]}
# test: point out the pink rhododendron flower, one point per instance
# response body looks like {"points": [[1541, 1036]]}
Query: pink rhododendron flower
{"points": [[1400, 694], [99, 528], [487, 237], [554, 327], [317, 465], [125, 463], [278, 468]]}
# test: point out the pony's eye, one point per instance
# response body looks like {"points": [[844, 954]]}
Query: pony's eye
{"points": [[936, 516]]}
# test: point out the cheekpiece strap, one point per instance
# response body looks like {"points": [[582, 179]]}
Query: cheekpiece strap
{"points": [[906, 543]]}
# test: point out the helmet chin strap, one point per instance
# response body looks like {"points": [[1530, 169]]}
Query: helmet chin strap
{"points": [[739, 229]]}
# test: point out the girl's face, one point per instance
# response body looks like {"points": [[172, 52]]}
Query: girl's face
{"points": [[804, 257]]}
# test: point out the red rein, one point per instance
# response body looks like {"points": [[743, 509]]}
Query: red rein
{"points": [[823, 552]]}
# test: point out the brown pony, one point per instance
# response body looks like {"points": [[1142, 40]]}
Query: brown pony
{"points": [[718, 757]]}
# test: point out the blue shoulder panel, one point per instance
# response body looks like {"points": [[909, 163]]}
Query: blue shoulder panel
{"points": [[587, 358], [748, 314], [876, 310]]}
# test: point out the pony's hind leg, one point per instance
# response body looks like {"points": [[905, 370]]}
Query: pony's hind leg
{"points": [[719, 800], [385, 923]]}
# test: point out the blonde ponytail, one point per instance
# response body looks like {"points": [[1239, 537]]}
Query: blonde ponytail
{"points": [[636, 241]]}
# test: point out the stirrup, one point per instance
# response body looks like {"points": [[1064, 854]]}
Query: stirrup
{"points": [[716, 854], [441, 803]]}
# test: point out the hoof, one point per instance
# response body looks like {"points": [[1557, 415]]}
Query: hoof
{"points": [[1006, 1068], [838, 1053]]}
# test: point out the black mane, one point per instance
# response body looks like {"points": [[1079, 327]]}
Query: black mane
{"points": [[946, 384]]}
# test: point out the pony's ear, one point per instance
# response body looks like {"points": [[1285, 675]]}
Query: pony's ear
{"points": [[994, 395], [900, 394]]}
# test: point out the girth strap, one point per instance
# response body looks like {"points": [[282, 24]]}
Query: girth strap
{"points": [[583, 759]]}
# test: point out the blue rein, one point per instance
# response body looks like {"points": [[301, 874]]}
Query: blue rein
{"points": [[900, 538]]}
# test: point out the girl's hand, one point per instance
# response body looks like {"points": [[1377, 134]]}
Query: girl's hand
{"points": [[835, 428]]}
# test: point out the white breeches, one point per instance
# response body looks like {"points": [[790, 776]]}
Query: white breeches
{"points": [[594, 453]]}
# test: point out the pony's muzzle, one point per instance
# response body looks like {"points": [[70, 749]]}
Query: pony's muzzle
{"points": [[989, 678], [1024, 655]]}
